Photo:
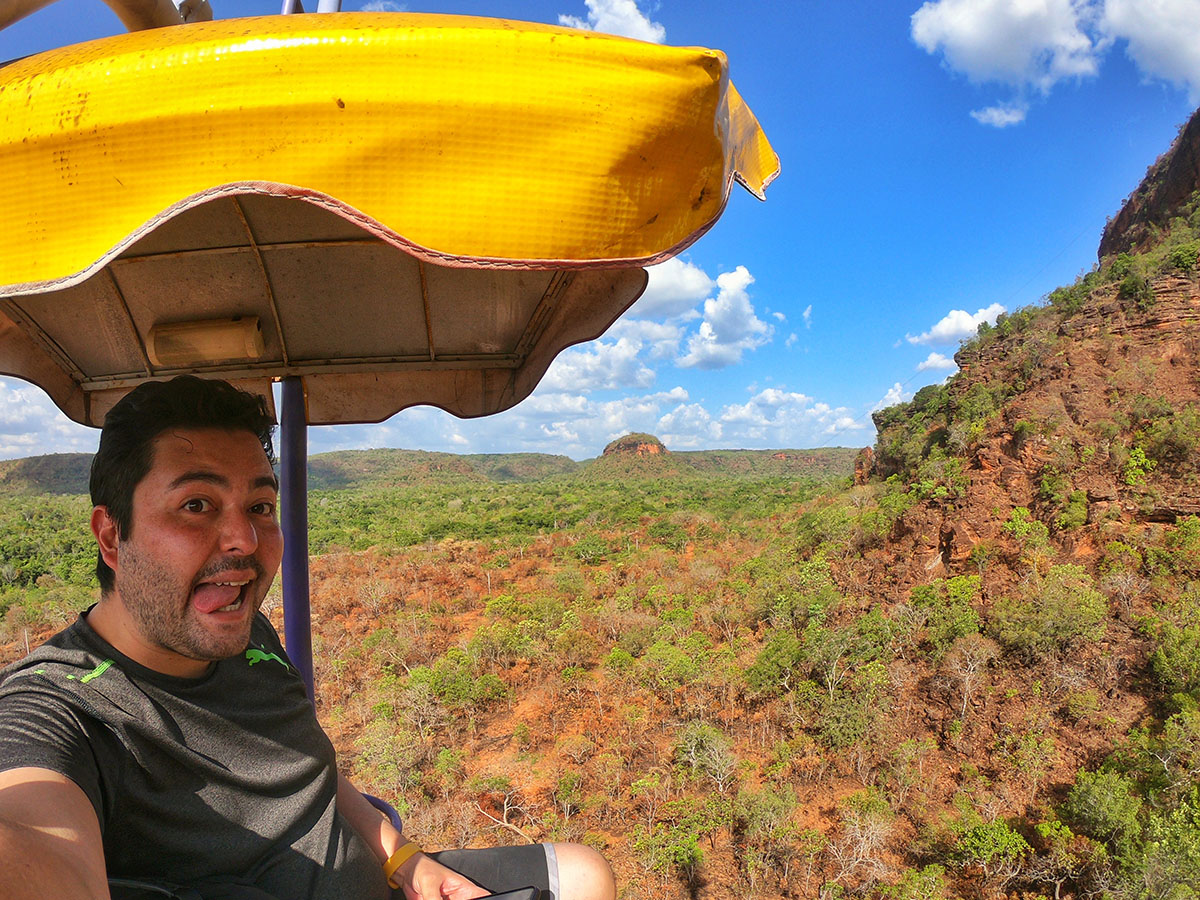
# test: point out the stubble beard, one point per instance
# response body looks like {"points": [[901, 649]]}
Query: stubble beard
{"points": [[161, 608]]}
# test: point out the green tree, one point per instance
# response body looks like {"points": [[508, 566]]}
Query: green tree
{"points": [[1062, 856], [707, 752], [1166, 762], [1176, 659], [1137, 466], [926, 883], [995, 849], [1166, 864], [1104, 806], [667, 847], [1060, 610], [948, 608], [776, 668], [1030, 534], [763, 819]]}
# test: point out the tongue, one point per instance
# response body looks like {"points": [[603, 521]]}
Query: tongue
{"points": [[211, 597]]}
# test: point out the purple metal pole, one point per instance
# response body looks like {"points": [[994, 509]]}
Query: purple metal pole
{"points": [[293, 491]]}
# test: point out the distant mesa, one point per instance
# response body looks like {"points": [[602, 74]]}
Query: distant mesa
{"points": [[636, 444]]}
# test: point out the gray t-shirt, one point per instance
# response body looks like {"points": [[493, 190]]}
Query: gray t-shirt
{"points": [[194, 780]]}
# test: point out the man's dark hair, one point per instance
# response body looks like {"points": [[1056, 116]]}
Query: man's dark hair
{"points": [[126, 440]]}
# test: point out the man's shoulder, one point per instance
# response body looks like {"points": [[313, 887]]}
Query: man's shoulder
{"points": [[265, 644], [261, 630], [74, 663], [64, 658]]}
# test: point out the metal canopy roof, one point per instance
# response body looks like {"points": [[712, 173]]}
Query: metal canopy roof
{"points": [[370, 327]]}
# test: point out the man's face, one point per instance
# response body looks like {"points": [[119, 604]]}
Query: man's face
{"points": [[203, 548]]}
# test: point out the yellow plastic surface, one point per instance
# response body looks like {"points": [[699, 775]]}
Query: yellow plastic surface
{"points": [[475, 141]]}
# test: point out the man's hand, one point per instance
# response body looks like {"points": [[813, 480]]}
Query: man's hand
{"points": [[420, 877], [424, 878]]}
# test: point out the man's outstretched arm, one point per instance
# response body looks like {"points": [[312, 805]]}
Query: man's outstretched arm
{"points": [[49, 839], [421, 877]]}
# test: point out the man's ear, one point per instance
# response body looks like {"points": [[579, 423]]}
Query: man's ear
{"points": [[104, 527]]}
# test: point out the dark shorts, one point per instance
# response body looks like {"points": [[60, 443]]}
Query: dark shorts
{"points": [[502, 869], [498, 869]]}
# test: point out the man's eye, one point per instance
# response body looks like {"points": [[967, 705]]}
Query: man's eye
{"points": [[197, 505], [263, 509]]}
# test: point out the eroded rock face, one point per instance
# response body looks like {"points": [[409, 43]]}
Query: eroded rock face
{"points": [[864, 465], [639, 449], [1070, 419], [1167, 186]]}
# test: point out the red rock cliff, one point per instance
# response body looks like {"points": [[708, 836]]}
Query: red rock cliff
{"points": [[1173, 178]]}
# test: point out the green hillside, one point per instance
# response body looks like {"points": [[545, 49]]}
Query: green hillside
{"points": [[56, 473]]}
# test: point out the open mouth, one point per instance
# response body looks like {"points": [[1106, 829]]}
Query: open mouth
{"points": [[220, 596], [236, 604]]}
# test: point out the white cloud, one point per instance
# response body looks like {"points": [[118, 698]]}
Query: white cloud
{"points": [[779, 317], [1163, 38], [675, 288], [778, 418], [558, 422], [936, 361], [383, 6], [600, 365], [957, 325], [730, 327], [560, 433], [843, 424], [763, 406], [792, 340], [555, 421], [807, 316], [662, 338], [1023, 43], [1032, 45], [617, 17], [688, 426], [1001, 116], [549, 403], [30, 424], [896, 394]]}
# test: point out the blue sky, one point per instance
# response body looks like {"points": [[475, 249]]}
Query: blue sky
{"points": [[941, 163]]}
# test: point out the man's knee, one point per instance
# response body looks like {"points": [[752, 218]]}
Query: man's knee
{"points": [[584, 874]]}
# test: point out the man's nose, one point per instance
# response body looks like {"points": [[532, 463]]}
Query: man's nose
{"points": [[238, 533]]}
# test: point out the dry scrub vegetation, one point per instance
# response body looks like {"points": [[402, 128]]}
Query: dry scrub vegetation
{"points": [[729, 686]]}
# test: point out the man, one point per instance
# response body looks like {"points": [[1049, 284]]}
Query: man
{"points": [[163, 745]]}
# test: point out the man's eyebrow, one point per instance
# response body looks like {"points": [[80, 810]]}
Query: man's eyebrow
{"points": [[206, 477], [267, 481], [199, 475]]}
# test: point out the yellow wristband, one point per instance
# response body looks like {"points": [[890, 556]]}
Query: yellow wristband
{"points": [[403, 853]]}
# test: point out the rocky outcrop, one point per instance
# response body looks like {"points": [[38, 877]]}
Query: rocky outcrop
{"points": [[635, 445], [864, 465], [1171, 181]]}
